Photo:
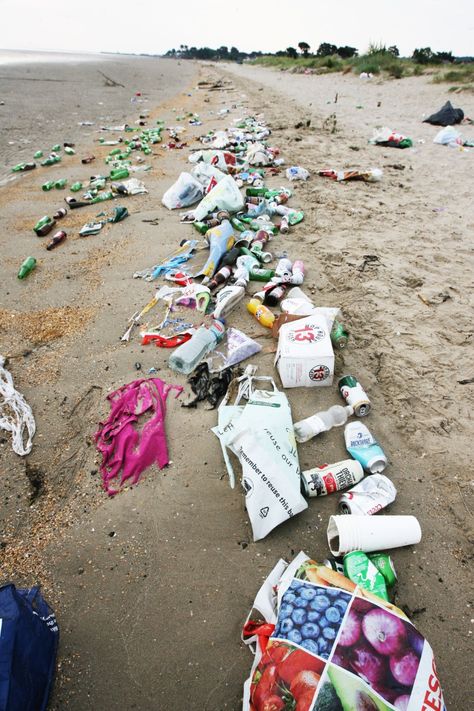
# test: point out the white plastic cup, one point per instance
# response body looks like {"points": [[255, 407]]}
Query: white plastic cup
{"points": [[371, 533]]}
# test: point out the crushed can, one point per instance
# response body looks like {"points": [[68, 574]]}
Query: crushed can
{"points": [[328, 478], [361, 570], [371, 495], [384, 565], [354, 395]]}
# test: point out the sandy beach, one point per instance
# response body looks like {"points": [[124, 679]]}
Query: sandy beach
{"points": [[151, 587]]}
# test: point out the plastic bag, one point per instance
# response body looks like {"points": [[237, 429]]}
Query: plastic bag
{"points": [[16, 415], [262, 438], [448, 136], [224, 196], [220, 159], [28, 647], [319, 647], [297, 173], [205, 172], [183, 193]]}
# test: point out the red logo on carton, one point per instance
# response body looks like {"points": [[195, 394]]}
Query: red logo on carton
{"points": [[309, 334], [319, 373]]}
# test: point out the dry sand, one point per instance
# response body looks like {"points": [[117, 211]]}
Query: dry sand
{"points": [[151, 588]]}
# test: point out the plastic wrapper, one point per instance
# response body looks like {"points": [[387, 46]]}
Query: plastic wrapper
{"points": [[322, 643], [235, 348], [297, 173], [183, 193], [448, 136]]}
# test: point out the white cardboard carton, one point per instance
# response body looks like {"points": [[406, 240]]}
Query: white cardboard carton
{"points": [[305, 357]]}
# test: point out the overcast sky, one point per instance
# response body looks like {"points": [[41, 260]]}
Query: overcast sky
{"points": [[154, 26]]}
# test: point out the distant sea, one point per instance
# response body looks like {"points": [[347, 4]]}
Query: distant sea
{"points": [[20, 56]]}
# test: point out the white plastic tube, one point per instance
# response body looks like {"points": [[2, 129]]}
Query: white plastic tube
{"points": [[371, 533]]}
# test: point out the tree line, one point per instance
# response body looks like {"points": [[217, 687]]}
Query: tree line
{"points": [[423, 55]]}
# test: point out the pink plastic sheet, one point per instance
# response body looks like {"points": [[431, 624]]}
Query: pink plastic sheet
{"points": [[129, 444]]}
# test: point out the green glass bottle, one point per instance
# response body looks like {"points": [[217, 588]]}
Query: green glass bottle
{"points": [[21, 167], [28, 265], [118, 174], [102, 197]]}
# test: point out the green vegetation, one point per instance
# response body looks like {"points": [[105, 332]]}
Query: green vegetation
{"points": [[459, 74], [378, 60]]}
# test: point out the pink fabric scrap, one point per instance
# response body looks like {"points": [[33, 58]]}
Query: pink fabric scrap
{"points": [[128, 451]]}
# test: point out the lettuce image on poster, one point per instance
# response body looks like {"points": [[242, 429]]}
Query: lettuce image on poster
{"points": [[310, 616], [380, 648], [342, 691]]}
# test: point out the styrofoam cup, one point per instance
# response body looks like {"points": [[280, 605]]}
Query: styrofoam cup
{"points": [[371, 533]]}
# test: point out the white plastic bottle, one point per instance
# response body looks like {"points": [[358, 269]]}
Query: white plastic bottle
{"points": [[336, 416], [187, 356]]}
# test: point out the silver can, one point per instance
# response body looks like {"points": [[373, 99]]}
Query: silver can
{"points": [[371, 495], [328, 478]]}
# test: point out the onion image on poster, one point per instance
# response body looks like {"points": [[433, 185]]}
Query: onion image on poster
{"points": [[380, 648]]}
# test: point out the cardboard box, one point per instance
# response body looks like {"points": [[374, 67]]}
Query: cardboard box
{"points": [[305, 357]]}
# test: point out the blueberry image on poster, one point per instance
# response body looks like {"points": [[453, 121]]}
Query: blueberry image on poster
{"points": [[311, 615]]}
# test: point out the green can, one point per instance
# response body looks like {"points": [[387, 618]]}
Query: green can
{"points": [[56, 148], [384, 565], [70, 151], [354, 395], [61, 183], [38, 154], [49, 185], [75, 187], [361, 570], [339, 335]]}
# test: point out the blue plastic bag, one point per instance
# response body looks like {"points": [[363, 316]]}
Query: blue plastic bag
{"points": [[29, 638]]}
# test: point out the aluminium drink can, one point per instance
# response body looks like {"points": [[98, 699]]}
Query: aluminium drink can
{"points": [[369, 496], [354, 394], [328, 478], [384, 565], [339, 335]]}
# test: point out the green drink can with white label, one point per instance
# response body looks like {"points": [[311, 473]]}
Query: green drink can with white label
{"points": [[355, 395], [361, 570]]}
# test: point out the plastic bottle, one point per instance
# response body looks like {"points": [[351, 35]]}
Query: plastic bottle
{"points": [[28, 265], [362, 446], [56, 239], [323, 421], [187, 356], [261, 313]]}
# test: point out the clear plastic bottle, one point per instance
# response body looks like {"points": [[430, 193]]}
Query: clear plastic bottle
{"points": [[335, 416], [187, 356]]}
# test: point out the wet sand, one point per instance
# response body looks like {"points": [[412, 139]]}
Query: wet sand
{"points": [[151, 588]]}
